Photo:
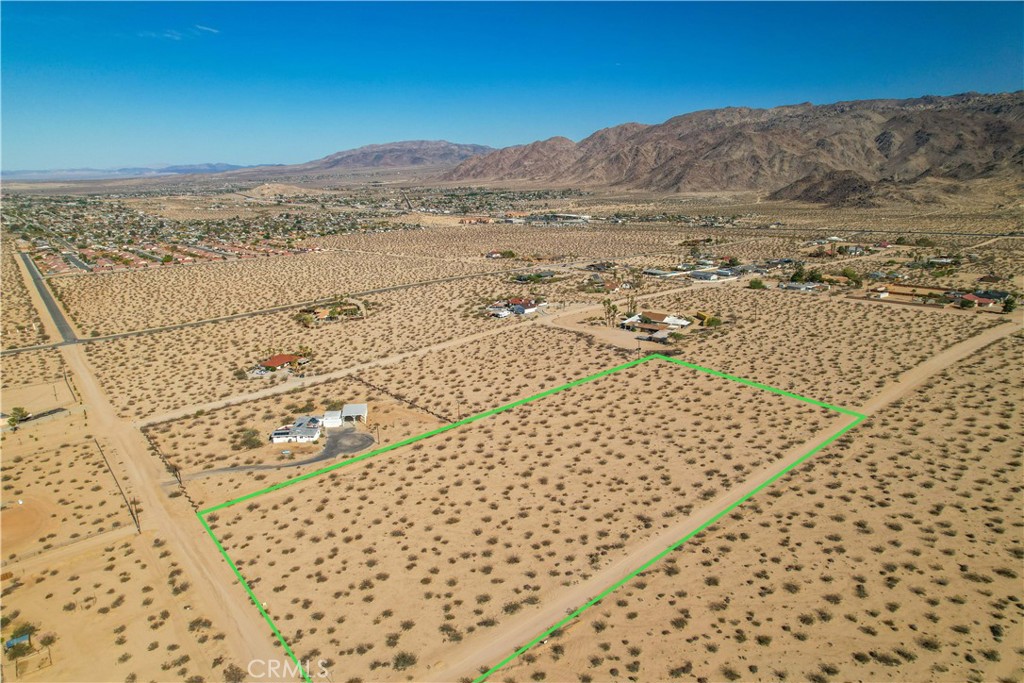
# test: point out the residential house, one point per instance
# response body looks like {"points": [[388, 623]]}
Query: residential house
{"points": [[979, 301], [993, 294], [280, 360], [303, 430], [806, 287], [653, 321]]}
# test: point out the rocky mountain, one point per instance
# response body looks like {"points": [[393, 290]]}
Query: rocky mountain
{"points": [[832, 153], [398, 154]]}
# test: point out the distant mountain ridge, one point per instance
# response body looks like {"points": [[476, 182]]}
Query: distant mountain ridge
{"points": [[400, 154], [113, 173], [836, 152], [406, 154]]}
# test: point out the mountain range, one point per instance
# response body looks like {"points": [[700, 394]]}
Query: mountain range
{"points": [[857, 152], [847, 152], [408, 154]]}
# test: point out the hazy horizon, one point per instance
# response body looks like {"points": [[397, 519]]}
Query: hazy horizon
{"points": [[106, 86]]}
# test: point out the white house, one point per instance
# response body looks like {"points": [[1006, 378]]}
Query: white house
{"points": [[806, 287], [332, 419], [672, 321], [304, 430]]}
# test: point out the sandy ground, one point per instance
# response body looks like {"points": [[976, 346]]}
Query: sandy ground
{"points": [[117, 608], [115, 601], [29, 368], [823, 346], [19, 323], [108, 303], [457, 549], [543, 242], [657, 442], [890, 556], [147, 374], [439, 387]]}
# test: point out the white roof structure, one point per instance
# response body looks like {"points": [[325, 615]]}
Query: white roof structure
{"points": [[355, 411], [332, 418], [304, 430]]}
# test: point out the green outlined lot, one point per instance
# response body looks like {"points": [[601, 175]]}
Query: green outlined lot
{"points": [[856, 419]]}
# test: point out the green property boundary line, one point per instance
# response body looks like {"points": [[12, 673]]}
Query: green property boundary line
{"points": [[858, 418]]}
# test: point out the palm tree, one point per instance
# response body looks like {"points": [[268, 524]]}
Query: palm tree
{"points": [[17, 415]]}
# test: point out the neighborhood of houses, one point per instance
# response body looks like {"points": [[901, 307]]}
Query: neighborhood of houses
{"points": [[307, 429], [99, 257], [938, 296]]}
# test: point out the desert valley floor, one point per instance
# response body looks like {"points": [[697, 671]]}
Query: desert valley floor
{"points": [[151, 389]]}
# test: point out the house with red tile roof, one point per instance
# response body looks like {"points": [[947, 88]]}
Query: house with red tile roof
{"points": [[978, 300], [280, 360]]}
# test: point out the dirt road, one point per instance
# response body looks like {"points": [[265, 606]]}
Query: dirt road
{"points": [[467, 659], [248, 636]]}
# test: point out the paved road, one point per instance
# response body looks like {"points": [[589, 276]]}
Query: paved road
{"points": [[247, 635], [65, 329], [76, 262]]}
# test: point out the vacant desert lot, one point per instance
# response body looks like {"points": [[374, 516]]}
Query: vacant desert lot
{"points": [[53, 496], [19, 322], [108, 303], [118, 611], [492, 372], [894, 554], [460, 535], [599, 241], [31, 367], [115, 601]]}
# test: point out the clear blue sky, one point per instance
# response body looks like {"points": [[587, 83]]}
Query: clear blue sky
{"points": [[121, 84]]}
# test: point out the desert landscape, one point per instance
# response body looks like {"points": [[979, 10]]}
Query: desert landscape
{"points": [[514, 537], [647, 463], [690, 367], [894, 554]]}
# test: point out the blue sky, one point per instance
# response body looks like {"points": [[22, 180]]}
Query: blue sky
{"points": [[122, 84]]}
